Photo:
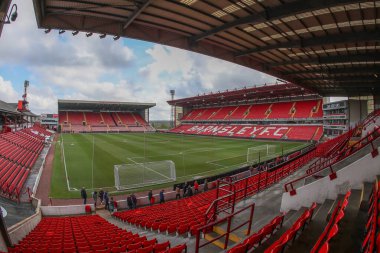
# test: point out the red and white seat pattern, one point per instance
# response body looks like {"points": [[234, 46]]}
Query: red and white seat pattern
{"points": [[289, 132]]}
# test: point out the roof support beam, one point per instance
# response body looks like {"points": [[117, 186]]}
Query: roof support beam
{"points": [[330, 59], [335, 71], [285, 10], [341, 79], [136, 13], [319, 41]]}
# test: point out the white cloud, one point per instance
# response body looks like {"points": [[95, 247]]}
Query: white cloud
{"points": [[190, 74], [7, 92]]}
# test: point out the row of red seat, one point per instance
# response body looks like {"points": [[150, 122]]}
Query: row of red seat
{"points": [[102, 122], [87, 234], [332, 227], [179, 216], [101, 118], [256, 239], [307, 133], [18, 153], [291, 233], [269, 229], [281, 110]]}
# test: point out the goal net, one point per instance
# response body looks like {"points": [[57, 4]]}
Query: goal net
{"points": [[257, 154], [129, 176]]}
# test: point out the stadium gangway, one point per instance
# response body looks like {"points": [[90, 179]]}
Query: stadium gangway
{"points": [[208, 227], [366, 141], [224, 200]]}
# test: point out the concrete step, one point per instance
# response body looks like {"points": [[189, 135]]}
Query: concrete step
{"points": [[367, 190], [305, 242], [347, 238]]}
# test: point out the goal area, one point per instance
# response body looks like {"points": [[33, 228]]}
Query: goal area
{"points": [[256, 154], [136, 175]]}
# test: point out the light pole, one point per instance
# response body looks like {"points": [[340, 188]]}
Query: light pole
{"points": [[172, 113]]}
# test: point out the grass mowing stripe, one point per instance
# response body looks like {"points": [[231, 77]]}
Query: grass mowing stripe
{"points": [[193, 156]]}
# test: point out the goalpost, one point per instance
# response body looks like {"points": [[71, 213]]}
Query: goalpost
{"points": [[255, 154], [135, 175]]}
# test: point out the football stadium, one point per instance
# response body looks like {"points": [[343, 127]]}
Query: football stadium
{"points": [[290, 165]]}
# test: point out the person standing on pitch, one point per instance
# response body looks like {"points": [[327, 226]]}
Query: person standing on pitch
{"points": [[196, 187], [177, 192], [95, 197], [162, 197], [83, 194], [185, 189], [205, 186], [111, 205], [150, 195], [134, 201], [106, 200], [101, 196], [129, 202]]}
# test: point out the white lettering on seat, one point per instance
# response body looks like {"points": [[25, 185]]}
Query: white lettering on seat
{"points": [[277, 132], [232, 131], [224, 129], [255, 130], [266, 131], [216, 129], [243, 130]]}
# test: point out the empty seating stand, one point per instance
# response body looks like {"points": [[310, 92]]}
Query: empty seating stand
{"points": [[274, 111], [18, 153], [77, 122], [86, 234]]}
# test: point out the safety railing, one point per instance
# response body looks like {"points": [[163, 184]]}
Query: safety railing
{"points": [[366, 141], [224, 201], [209, 227]]}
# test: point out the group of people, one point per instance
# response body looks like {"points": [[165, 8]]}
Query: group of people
{"points": [[111, 205], [187, 190], [104, 199], [132, 201]]}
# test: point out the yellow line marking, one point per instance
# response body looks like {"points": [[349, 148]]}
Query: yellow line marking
{"points": [[216, 243], [232, 236]]}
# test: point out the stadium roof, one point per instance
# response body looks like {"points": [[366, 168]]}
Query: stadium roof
{"points": [[245, 95], [329, 46], [8, 108], [11, 108], [76, 105]]}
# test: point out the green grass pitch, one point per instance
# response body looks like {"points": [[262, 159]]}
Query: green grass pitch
{"points": [[194, 157]]}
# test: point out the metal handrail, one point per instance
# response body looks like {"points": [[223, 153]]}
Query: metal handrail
{"points": [[229, 229], [375, 134]]}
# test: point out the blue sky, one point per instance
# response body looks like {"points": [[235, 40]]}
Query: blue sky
{"points": [[77, 67]]}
